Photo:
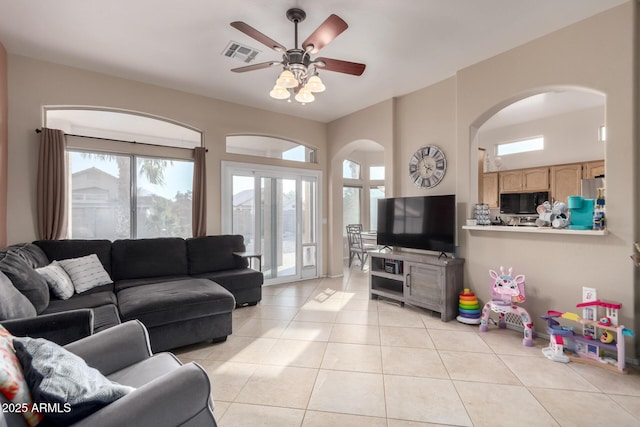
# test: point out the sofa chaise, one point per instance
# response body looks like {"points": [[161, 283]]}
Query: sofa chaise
{"points": [[182, 290]]}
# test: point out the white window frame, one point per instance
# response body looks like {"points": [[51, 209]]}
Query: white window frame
{"points": [[133, 186], [122, 147], [282, 146], [228, 169]]}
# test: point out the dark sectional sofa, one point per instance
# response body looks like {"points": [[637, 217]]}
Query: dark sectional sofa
{"points": [[183, 290]]}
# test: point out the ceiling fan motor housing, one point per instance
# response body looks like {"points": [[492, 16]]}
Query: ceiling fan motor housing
{"points": [[296, 15]]}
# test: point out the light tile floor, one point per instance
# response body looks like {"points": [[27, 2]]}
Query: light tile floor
{"points": [[321, 353]]}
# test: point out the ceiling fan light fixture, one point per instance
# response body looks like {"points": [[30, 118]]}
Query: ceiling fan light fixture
{"points": [[304, 96], [278, 92], [315, 84], [287, 80], [299, 68]]}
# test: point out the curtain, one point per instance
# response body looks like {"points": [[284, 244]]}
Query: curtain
{"points": [[199, 206], [52, 186]]}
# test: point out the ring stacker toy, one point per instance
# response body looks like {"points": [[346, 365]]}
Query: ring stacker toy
{"points": [[469, 308]]}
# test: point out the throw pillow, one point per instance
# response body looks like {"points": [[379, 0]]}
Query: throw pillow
{"points": [[26, 280], [32, 254], [12, 382], [58, 377], [86, 272], [13, 305], [58, 280]]}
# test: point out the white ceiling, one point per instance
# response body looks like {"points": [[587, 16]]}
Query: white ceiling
{"points": [[406, 44]]}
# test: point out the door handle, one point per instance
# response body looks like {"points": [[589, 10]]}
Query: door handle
{"points": [[407, 280]]}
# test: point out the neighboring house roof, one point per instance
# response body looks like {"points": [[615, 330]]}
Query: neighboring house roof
{"points": [[93, 171], [244, 197]]}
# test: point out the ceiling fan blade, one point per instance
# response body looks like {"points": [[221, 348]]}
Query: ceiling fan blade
{"points": [[340, 66], [331, 28], [259, 66], [257, 35]]}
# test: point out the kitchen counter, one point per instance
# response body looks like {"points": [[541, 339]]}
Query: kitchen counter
{"points": [[535, 230]]}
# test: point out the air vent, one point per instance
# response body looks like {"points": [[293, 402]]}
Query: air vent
{"points": [[240, 52]]}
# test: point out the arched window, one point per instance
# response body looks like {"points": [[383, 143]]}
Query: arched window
{"points": [[270, 147], [130, 174], [122, 125]]}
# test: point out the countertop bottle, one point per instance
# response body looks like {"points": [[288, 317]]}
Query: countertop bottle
{"points": [[599, 217]]}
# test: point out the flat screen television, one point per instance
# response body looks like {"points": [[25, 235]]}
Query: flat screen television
{"points": [[427, 222]]}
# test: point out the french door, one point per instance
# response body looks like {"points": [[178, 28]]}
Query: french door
{"points": [[277, 211]]}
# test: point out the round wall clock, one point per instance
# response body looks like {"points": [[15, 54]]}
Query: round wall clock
{"points": [[427, 166]]}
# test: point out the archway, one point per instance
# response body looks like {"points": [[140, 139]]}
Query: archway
{"points": [[568, 118], [369, 152]]}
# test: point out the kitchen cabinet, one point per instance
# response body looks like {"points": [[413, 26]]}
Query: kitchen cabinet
{"points": [[510, 181], [593, 169], [536, 179], [490, 189], [520, 180], [560, 180], [565, 181]]}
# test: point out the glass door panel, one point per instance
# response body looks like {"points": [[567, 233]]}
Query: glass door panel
{"points": [[277, 211], [278, 228], [243, 220], [309, 227]]}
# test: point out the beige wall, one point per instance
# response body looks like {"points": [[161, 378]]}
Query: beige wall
{"points": [[3, 145], [375, 124], [635, 155], [595, 54], [427, 117], [35, 83]]}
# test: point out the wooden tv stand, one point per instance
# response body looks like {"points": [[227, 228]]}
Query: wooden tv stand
{"points": [[426, 281]]}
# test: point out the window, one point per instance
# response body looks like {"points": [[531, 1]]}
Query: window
{"points": [[351, 199], [523, 146], [376, 173], [602, 133], [136, 182], [270, 147], [375, 193], [101, 196], [350, 170], [163, 197], [121, 125]]}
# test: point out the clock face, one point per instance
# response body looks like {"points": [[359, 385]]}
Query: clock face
{"points": [[427, 166]]}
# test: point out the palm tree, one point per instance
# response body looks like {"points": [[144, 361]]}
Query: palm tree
{"points": [[152, 169]]}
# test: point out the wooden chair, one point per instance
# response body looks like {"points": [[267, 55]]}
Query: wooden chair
{"points": [[356, 247]]}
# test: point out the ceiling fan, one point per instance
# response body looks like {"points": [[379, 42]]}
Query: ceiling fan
{"points": [[300, 74]]}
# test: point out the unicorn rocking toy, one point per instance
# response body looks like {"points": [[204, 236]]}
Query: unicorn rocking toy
{"points": [[506, 292]]}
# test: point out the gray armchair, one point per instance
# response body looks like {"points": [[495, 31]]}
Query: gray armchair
{"points": [[167, 393]]}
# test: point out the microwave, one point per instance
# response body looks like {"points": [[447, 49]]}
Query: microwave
{"points": [[522, 203]]}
